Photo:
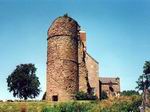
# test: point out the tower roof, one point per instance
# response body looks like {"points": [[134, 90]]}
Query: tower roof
{"points": [[63, 25]]}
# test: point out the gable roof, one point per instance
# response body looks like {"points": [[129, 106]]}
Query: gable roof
{"points": [[109, 79], [92, 57]]}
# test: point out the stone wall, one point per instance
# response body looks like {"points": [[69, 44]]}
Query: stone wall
{"points": [[62, 60], [69, 67], [93, 74], [111, 86], [83, 72]]}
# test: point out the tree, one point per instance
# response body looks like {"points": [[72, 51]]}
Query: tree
{"points": [[144, 79], [129, 93], [144, 82], [23, 82]]}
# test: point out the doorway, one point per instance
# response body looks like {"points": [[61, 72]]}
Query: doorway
{"points": [[55, 98]]}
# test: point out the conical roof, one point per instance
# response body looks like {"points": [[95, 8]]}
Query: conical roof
{"points": [[63, 26]]}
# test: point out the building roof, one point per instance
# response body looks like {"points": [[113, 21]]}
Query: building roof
{"points": [[109, 79], [63, 26]]}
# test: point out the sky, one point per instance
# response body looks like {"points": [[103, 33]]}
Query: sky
{"points": [[118, 36]]}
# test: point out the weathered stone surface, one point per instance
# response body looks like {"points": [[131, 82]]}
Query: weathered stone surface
{"points": [[64, 26], [83, 73], [110, 85], [62, 60], [93, 74], [69, 67]]}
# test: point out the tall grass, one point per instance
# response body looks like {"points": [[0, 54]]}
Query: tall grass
{"points": [[122, 104]]}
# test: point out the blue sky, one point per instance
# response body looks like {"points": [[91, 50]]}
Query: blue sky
{"points": [[118, 35]]}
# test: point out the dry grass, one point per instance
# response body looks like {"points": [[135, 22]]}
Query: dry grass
{"points": [[112, 104]]}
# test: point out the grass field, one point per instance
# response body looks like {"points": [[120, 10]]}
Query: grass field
{"points": [[23, 106], [122, 104]]}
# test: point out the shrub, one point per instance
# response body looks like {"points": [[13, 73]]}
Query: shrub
{"points": [[81, 95], [103, 95], [69, 107], [124, 104], [84, 96]]}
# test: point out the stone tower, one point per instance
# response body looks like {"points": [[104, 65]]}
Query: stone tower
{"points": [[62, 59]]}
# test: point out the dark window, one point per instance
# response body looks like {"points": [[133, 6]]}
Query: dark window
{"points": [[93, 90], [55, 98], [111, 89]]}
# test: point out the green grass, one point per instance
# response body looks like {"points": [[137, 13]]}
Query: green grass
{"points": [[122, 104], [23, 106]]}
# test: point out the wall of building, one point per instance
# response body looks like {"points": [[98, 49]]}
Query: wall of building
{"points": [[62, 60], [83, 72], [105, 86], [69, 67], [93, 74]]}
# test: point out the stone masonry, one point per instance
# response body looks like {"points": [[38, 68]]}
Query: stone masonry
{"points": [[62, 60], [70, 68], [83, 72], [110, 85]]}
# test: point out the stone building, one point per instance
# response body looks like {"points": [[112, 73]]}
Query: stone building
{"points": [[110, 85], [69, 67]]}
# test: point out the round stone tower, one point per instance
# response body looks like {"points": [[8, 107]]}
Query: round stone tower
{"points": [[62, 59]]}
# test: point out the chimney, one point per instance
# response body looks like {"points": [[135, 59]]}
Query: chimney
{"points": [[83, 37]]}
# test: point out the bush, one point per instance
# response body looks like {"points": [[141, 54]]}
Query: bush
{"points": [[124, 104], [84, 96], [69, 107], [103, 95], [81, 95]]}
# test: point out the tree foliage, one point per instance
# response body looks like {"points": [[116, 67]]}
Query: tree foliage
{"points": [[146, 67], [144, 79], [23, 82], [129, 93]]}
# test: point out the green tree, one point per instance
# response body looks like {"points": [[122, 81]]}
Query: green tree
{"points": [[144, 83], [129, 93], [23, 82], [144, 79]]}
